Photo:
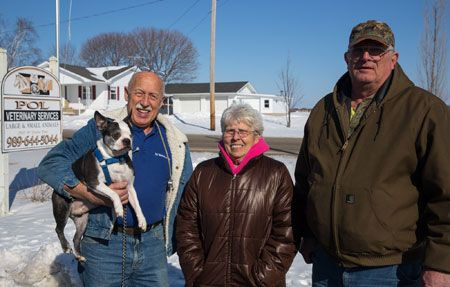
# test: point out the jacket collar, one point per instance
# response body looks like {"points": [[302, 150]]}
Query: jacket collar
{"points": [[256, 150], [171, 130], [344, 90], [395, 84]]}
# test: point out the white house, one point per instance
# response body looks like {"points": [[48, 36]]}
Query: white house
{"points": [[96, 88], [104, 88], [194, 97]]}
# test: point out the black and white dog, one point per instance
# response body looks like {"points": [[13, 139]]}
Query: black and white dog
{"points": [[113, 153]]}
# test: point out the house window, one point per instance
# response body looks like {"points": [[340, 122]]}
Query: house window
{"points": [[113, 93], [167, 107], [86, 93], [266, 103]]}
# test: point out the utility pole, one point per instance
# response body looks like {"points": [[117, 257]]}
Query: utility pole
{"points": [[212, 103], [57, 37]]}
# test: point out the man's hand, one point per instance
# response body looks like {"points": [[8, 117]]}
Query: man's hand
{"points": [[121, 189], [307, 247], [80, 191], [433, 278]]}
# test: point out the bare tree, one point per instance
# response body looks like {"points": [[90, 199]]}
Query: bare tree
{"points": [[106, 49], [433, 49], [3, 33], [67, 54], [20, 44], [289, 89], [168, 53]]}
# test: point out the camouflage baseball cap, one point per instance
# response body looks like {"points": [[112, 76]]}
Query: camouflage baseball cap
{"points": [[372, 30]]}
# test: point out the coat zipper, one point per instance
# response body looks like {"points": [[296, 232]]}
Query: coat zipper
{"points": [[335, 202], [336, 186], [230, 231]]}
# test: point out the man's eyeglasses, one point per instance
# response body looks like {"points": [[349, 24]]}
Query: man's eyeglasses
{"points": [[375, 52], [242, 133], [141, 94]]}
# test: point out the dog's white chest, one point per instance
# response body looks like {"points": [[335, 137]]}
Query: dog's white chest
{"points": [[120, 172], [117, 172]]}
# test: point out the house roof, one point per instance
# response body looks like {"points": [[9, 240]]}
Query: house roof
{"points": [[82, 71], [223, 87], [96, 74], [112, 73]]}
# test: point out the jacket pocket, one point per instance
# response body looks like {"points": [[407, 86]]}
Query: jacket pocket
{"points": [[318, 210], [93, 241], [362, 229], [100, 222], [213, 274]]}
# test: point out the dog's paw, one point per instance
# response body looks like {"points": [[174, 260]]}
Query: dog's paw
{"points": [[142, 224], [119, 212], [68, 250], [80, 258]]}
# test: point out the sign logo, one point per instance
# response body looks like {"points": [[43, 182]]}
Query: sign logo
{"points": [[33, 84], [31, 110]]}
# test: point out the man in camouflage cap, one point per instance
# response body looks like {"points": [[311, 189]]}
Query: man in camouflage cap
{"points": [[372, 30], [373, 176]]}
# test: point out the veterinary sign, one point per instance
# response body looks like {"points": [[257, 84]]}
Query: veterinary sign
{"points": [[31, 110]]}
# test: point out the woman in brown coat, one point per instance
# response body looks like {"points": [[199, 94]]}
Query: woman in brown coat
{"points": [[234, 221]]}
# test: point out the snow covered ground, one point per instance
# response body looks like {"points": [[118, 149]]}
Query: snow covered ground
{"points": [[199, 123], [29, 249]]}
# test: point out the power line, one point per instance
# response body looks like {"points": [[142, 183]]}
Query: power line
{"points": [[206, 16], [95, 15], [223, 3], [182, 15], [199, 22], [115, 10]]}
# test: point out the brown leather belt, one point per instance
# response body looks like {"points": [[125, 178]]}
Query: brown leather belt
{"points": [[135, 230]]}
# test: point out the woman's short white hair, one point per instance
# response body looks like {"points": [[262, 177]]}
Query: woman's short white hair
{"points": [[242, 113]]}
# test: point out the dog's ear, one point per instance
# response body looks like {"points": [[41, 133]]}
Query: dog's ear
{"points": [[127, 120], [100, 120]]}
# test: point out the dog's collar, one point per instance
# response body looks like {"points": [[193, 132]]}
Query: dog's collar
{"points": [[105, 162]]}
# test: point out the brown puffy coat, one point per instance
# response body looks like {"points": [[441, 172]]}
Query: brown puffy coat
{"points": [[236, 230]]}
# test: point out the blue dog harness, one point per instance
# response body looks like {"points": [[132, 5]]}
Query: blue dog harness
{"points": [[105, 162]]}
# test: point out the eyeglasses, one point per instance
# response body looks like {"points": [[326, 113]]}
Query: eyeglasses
{"points": [[375, 52], [141, 94], [242, 133]]}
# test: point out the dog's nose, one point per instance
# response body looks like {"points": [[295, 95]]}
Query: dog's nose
{"points": [[126, 142]]}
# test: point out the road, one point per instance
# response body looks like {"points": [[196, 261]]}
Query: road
{"points": [[208, 143]]}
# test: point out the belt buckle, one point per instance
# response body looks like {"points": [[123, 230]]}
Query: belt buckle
{"points": [[136, 230], [127, 230], [130, 230]]}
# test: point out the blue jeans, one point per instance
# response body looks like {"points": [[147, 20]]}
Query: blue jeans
{"points": [[146, 262], [327, 272]]}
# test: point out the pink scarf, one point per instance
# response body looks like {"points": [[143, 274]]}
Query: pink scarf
{"points": [[259, 148]]}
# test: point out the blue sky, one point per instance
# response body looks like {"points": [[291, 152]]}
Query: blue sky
{"points": [[253, 37]]}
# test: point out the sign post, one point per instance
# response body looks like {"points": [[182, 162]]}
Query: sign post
{"points": [[4, 158], [30, 113]]}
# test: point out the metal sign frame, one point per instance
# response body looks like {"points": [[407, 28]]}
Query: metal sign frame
{"points": [[34, 100]]}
